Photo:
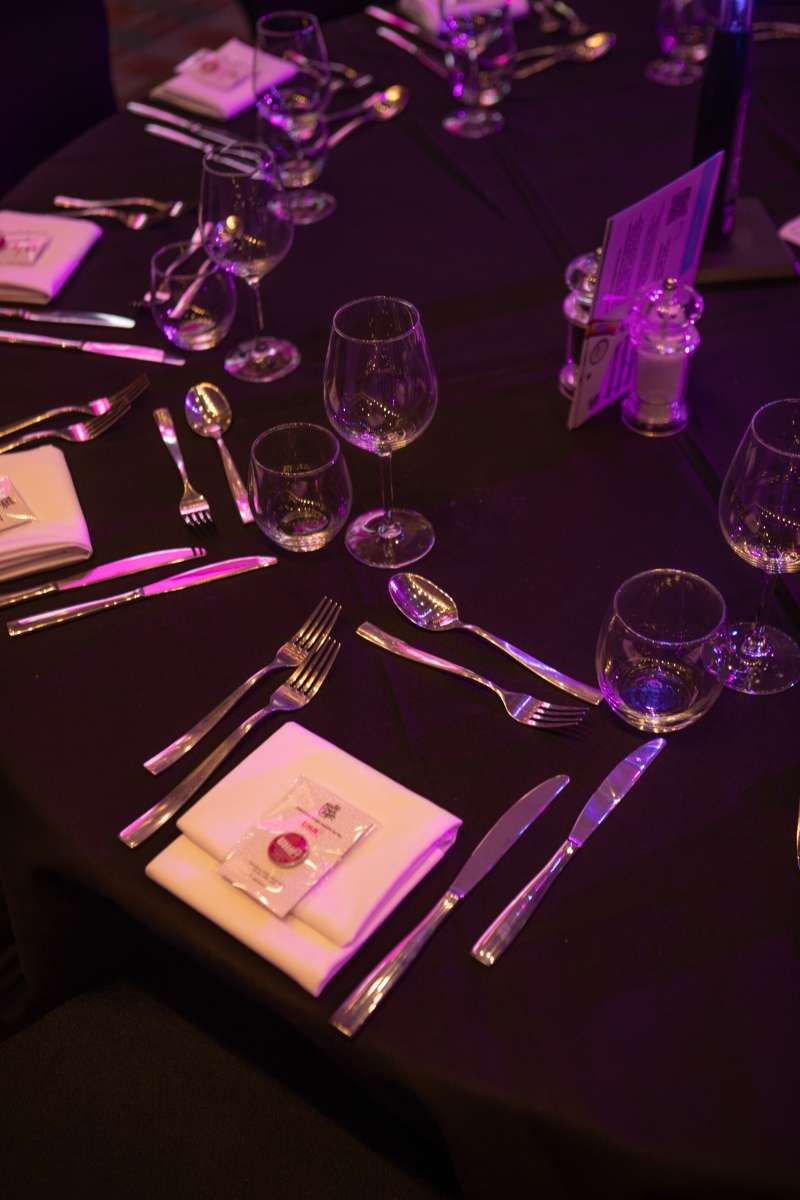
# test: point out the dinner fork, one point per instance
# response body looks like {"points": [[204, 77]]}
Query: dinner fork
{"points": [[172, 208], [309, 637], [81, 431], [525, 709], [93, 408], [193, 507], [133, 220], [301, 687]]}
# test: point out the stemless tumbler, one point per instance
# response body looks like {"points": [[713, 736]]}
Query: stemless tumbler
{"points": [[192, 301], [655, 649], [299, 486]]}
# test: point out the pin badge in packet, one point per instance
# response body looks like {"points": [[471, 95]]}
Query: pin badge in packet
{"points": [[21, 248], [294, 846], [13, 509]]}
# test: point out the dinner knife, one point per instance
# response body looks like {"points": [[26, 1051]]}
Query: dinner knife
{"points": [[114, 349], [175, 135], [173, 583], [389, 18], [161, 114], [361, 1003], [60, 316], [501, 933], [412, 48], [109, 570]]}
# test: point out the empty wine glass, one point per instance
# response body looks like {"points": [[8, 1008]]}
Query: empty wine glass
{"points": [[481, 48], [291, 112], [380, 393], [248, 231], [759, 511], [685, 29]]}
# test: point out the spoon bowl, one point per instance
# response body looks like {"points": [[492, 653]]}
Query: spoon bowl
{"points": [[586, 50], [380, 106], [208, 414]]}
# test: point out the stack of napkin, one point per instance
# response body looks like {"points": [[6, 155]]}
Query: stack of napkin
{"points": [[58, 244], [427, 13], [219, 83], [58, 535], [336, 917]]}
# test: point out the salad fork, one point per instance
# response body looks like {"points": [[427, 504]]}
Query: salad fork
{"points": [[521, 707], [293, 653], [93, 408], [301, 687], [193, 506], [81, 431]]}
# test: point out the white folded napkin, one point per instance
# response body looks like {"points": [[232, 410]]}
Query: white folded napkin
{"points": [[427, 13], [337, 916], [67, 241], [59, 534], [219, 83]]}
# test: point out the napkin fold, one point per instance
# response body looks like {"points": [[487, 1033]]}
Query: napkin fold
{"points": [[59, 534], [427, 13], [67, 241], [336, 917], [219, 83]]}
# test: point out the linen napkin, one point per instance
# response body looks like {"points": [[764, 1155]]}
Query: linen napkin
{"points": [[58, 535], [336, 917], [427, 13], [219, 83], [39, 252]]}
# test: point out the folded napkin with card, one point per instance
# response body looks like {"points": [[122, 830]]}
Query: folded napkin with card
{"points": [[333, 920], [41, 523], [39, 252], [427, 13], [219, 83]]}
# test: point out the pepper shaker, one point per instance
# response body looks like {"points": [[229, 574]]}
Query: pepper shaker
{"points": [[581, 279], [661, 326]]}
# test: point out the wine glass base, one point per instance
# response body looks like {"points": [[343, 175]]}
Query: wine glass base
{"points": [[409, 539], [672, 73], [776, 670], [262, 359], [307, 207], [472, 123]]}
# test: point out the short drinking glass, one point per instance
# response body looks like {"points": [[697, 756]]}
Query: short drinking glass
{"points": [[685, 29], [192, 300], [299, 486], [655, 648]]}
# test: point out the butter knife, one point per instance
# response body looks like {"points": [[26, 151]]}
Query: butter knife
{"points": [[501, 933], [60, 316], [173, 583], [161, 114], [416, 51], [109, 570], [360, 1004], [114, 349]]}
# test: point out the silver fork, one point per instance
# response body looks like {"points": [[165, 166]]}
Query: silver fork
{"points": [[172, 208], [525, 709], [95, 408], [193, 507], [81, 431], [309, 637], [301, 686], [133, 220]]}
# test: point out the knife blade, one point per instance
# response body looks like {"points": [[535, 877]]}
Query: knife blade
{"points": [[109, 570], [175, 135], [172, 583], [60, 316], [389, 18], [501, 933], [161, 114], [351, 1015], [412, 48], [114, 349]]}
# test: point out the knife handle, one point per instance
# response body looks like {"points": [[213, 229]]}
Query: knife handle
{"points": [[501, 933], [58, 616], [361, 1003], [583, 691], [9, 598], [237, 488]]}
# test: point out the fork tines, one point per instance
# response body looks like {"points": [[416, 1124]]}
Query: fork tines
{"points": [[318, 625], [309, 677], [197, 513], [130, 392]]}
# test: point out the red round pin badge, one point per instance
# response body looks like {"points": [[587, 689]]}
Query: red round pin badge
{"points": [[288, 849]]}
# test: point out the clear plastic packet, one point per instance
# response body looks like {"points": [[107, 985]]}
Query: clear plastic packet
{"points": [[292, 848], [13, 509]]}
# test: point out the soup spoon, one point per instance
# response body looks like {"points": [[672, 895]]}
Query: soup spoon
{"points": [[209, 415]]}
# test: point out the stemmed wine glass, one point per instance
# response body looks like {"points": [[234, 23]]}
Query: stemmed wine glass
{"points": [[481, 47], [759, 511], [685, 29], [247, 229], [380, 393], [291, 112]]}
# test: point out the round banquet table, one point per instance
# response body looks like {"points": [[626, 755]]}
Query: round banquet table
{"points": [[641, 1034]]}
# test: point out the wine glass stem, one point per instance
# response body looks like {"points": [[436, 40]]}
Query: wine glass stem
{"points": [[388, 527], [756, 645], [255, 288]]}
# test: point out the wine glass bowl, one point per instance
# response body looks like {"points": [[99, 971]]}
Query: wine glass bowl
{"points": [[480, 53], [685, 29]]}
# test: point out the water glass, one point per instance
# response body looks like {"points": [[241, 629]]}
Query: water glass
{"points": [[300, 487], [480, 55], [192, 301], [657, 648], [685, 29]]}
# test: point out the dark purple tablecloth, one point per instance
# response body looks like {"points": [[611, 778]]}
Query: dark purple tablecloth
{"points": [[641, 1035]]}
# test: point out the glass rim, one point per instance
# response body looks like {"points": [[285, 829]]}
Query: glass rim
{"points": [[416, 322], [655, 641], [305, 425], [309, 19], [202, 269], [762, 441], [231, 169]]}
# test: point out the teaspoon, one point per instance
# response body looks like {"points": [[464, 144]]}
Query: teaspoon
{"points": [[388, 105], [586, 50], [389, 100], [427, 605], [209, 415]]}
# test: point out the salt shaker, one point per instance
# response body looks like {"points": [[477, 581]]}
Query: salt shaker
{"points": [[661, 326], [581, 279]]}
